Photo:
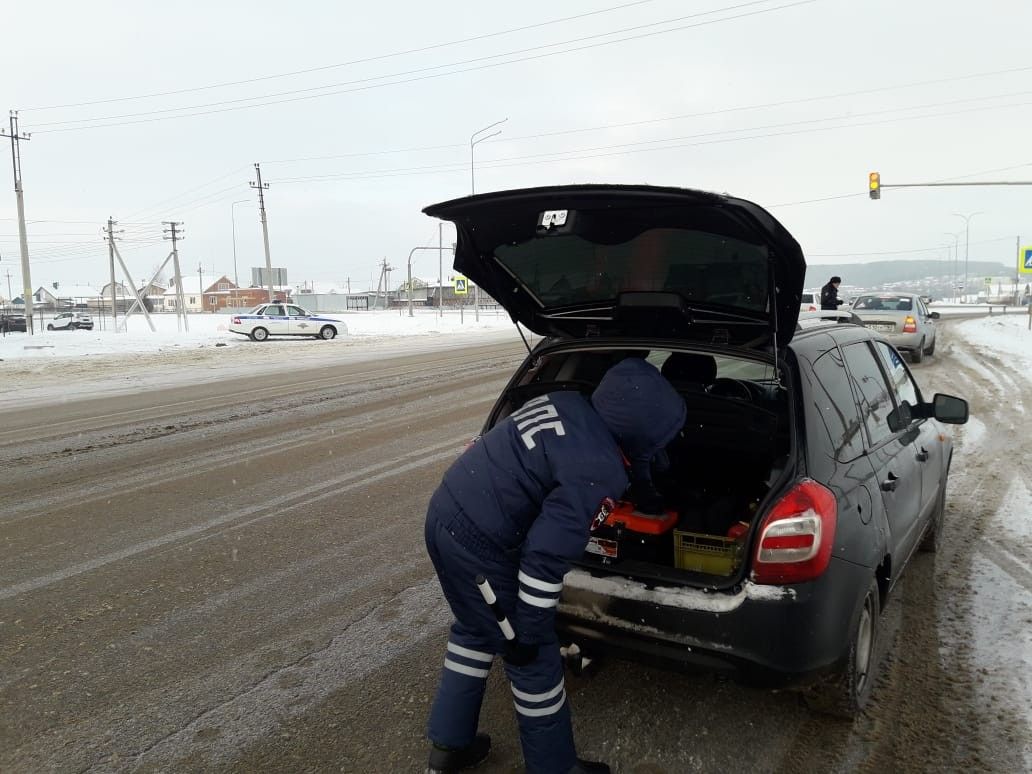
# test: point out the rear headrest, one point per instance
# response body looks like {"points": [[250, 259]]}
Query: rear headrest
{"points": [[690, 367]]}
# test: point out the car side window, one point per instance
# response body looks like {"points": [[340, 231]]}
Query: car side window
{"points": [[871, 389], [837, 407], [273, 311], [900, 379], [296, 311]]}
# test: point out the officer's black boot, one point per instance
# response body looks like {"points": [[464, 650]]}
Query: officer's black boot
{"points": [[589, 767], [445, 761]]}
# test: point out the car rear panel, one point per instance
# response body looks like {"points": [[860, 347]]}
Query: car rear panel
{"points": [[772, 632]]}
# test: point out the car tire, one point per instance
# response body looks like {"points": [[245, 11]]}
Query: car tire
{"points": [[259, 334], [931, 350], [845, 693], [327, 332], [917, 355], [50, 326], [933, 532]]}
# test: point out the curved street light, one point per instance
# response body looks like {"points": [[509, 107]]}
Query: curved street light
{"points": [[474, 140], [232, 215], [967, 243]]}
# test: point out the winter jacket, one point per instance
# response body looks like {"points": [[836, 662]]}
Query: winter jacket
{"points": [[829, 298], [532, 484]]}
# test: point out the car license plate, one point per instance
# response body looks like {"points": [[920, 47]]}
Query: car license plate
{"points": [[602, 547], [884, 327]]}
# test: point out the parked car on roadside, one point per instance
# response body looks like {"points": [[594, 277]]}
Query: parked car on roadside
{"points": [[282, 319], [10, 323], [902, 318], [810, 467], [70, 321], [809, 302]]}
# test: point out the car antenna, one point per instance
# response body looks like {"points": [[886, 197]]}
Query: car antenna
{"points": [[518, 328], [773, 301]]}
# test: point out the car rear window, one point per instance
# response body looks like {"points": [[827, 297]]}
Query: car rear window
{"points": [[885, 303], [614, 256], [807, 298]]}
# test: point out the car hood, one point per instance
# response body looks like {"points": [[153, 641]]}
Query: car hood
{"points": [[622, 260]]}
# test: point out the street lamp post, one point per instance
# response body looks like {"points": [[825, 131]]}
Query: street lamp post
{"points": [[956, 250], [474, 140], [967, 243], [232, 215], [413, 250]]}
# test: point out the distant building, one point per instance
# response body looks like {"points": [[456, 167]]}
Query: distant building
{"points": [[54, 297]]}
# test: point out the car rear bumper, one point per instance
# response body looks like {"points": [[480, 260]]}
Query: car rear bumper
{"points": [[907, 342], [770, 634]]}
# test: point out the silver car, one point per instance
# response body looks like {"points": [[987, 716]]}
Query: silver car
{"points": [[902, 318]]}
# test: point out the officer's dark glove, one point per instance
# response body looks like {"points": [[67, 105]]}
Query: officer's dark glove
{"points": [[645, 498], [519, 653]]}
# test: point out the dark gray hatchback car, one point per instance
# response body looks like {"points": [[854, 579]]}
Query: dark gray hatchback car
{"points": [[810, 467]]}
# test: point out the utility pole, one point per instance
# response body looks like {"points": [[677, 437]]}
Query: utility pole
{"points": [[440, 269], [200, 283], [23, 240], [174, 233], [111, 259], [9, 297], [262, 188]]}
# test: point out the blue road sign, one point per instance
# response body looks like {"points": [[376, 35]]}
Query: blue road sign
{"points": [[1025, 264]]}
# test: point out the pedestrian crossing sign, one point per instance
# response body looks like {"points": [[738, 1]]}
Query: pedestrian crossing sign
{"points": [[1025, 260], [461, 286]]}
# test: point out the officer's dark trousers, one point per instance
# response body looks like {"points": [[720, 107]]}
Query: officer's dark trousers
{"points": [[459, 554]]}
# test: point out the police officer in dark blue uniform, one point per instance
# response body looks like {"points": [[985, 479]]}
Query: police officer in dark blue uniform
{"points": [[516, 508]]}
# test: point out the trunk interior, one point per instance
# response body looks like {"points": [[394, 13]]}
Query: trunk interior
{"points": [[732, 453]]}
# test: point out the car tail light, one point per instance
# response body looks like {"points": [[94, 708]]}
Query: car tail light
{"points": [[796, 536], [812, 308], [236, 321], [909, 325]]}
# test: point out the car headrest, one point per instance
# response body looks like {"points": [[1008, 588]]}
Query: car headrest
{"points": [[690, 367]]}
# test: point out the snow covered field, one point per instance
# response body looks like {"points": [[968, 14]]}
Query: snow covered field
{"points": [[207, 330]]}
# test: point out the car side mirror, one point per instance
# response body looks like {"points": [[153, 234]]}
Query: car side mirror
{"points": [[900, 418], [934, 315], [948, 409]]}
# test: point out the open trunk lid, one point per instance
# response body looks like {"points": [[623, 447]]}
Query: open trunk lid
{"points": [[622, 260]]}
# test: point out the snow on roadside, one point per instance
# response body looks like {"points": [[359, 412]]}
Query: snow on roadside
{"points": [[207, 330], [1004, 334]]}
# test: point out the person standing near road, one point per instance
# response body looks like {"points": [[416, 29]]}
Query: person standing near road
{"points": [[517, 508], [830, 302]]}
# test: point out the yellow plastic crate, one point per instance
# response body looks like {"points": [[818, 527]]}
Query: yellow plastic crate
{"points": [[710, 554]]}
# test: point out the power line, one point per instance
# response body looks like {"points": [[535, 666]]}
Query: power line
{"points": [[582, 154], [937, 248], [365, 60], [114, 120]]}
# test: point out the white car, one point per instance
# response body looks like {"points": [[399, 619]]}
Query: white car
{"points": [[285, 320], [70, 321]]}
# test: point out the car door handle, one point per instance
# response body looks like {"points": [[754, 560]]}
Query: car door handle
{"points": [[889, 484], [922, 456]]}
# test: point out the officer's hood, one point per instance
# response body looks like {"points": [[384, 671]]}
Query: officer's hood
{"points": [[640, 407]]}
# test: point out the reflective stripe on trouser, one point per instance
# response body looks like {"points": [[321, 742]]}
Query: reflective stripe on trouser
{"points": [[543, 712], [456, 709]]}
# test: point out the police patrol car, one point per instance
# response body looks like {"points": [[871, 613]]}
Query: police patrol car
{"points": [[285, 320]]}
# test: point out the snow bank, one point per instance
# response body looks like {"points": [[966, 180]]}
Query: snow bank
{"points": [[1006, 335], [208, 330]]}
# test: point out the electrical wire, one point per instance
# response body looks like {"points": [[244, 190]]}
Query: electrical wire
{"points": [[365, 60], [113, 121]]}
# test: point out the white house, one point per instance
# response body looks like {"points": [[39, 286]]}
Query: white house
{"points": [[54, 295]]}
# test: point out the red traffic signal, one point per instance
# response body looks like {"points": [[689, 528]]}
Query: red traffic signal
{"points": [[874, 185]]}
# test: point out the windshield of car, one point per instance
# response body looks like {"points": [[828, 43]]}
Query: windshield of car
{"points": [[617, 255], [885, 303]]}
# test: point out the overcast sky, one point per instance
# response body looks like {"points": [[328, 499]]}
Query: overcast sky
{"points": [[724, 95]]}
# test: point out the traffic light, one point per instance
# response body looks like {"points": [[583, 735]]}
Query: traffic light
{"points": [[874, 185]]}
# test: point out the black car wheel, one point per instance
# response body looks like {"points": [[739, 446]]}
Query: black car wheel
{"points": [[328, 332], [918, 354], [845, 693], [50, 327], [931, 349], [933, 533], [259, 334]]}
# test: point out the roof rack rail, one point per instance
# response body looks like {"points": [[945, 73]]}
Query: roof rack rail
{"points": [[817, 319]]}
